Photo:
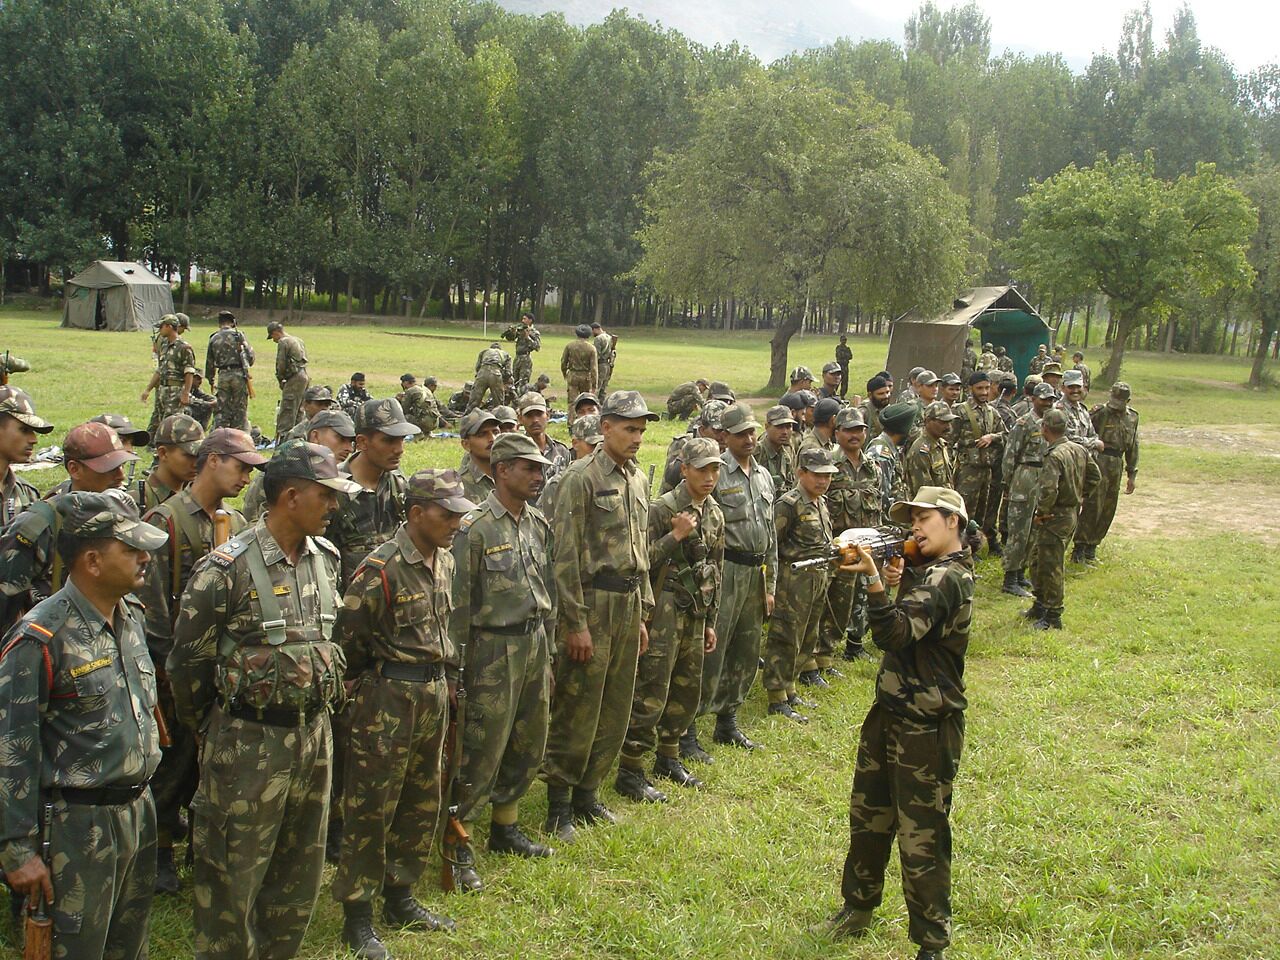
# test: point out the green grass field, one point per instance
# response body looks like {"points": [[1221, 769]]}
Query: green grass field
{"points": [[1118, 792]]}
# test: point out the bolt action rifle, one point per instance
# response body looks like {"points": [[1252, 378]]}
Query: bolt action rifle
{"points": [[37, 942]]}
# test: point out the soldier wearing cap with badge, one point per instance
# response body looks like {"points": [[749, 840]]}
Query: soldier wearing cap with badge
{"points": [[1020, 467], [928, 461], [774, 452], [255, 673], [19, 427], [911, 740], [686, 564], [503, 619], [314, 399], [1117, 426], [950, 386], [130, 437], [79, 738], [604, 596], [394, 630], [174, 376], [533, 419], [176, 440], [330, 428], [477, 431], [830, 381], [224, 462]]}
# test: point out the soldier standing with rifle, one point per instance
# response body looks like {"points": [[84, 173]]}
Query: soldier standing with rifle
{"points": [[174, 376], [528, 341], [606, 345], [228, 366], [1023, 458], [1117, 426]]}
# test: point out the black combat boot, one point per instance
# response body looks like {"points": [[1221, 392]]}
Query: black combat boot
{"points": [[784, 709], [1091, 555], [1013, 584], [634, 785], [358, 932], [691, 749], [993, 544], [730, 734], [400, 909], [1048, 621], [509, 838], [461, 860], [559, 814], [670, 768], [795, 700], [1023, 578], [587, 808], [927, 954], [1077, 553], [166, 871], [812, 678], [845, 924], [1033, 612], [333, 841]]}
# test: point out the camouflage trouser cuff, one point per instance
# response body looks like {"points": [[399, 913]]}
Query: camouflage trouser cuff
{"points": [[777, 696], [505, 814], [669, 750]]}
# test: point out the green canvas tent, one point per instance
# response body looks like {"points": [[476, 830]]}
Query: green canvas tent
{"points": [[115, 295], [1001, 314]]}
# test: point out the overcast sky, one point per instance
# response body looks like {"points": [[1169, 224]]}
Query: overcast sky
{"points": [[1248, 31]]}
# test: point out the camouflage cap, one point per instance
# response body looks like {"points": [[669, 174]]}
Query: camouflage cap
{"points": [[738, 419], [925, 377], [850, 418], [124, 428], [1121, 389], [801, 373], [107, 516], [184, 322], [699, 452], [830, 367], [179, 430], [318, 395], [585, 397], [1051, 369], [938, 410], [505, 415], [587, 429], [384, 416], [273, 326], [169, 319], [335, 420], [298, 459], [986, 346], [1055, 420], [1033, 379], [816, 460], [779, 416], [627, 404], [951, 380], [825, 409], [1073, 378], [230, 442], [929, 498], [516, 446], [531, 401], [97, 446], [439, 486], [226, 316], [1000, 351], [915, 372], [897, 417], [17, 404], [808, 398], [475, 420], [719, 390], [1044, 391], [712, 414]]}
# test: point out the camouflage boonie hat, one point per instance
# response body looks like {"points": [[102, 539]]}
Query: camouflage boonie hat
{"points": [[627, 404], [779, 416], [531, 401], [585, 397], [951, 379], [738, 419], [17, 404], [334, 420], [1055, 420], [938, 410], [587, 429], [816, 460], [505, 415], [1073, 378], [273, 326], [712, 412], [318, 395], [179, 430], [1121, 389], [474, 420], [97, 446], [1044, 391], [104, 516], [930, 498], [439, 486], [516, 446], [897, 417], [830, 367], [801, 373], [384, 416], [699, 452], [1051, 369], [309, 461], [850, 418], [230, 442], [719, 390]]}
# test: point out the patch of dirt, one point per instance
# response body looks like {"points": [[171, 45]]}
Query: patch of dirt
{"points": [[1164, 509], [1237, 438]]}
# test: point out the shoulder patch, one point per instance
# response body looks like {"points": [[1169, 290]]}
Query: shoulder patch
{"points": [[327, 546], [225, 555]]}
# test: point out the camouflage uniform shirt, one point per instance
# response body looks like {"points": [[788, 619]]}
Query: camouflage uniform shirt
{"points": [[15, 496], [854, 496], [291, 358], [746, 498], [367, 519], [887, 458], [692, 568]]}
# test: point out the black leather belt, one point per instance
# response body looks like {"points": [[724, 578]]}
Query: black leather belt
{"points": [[744, 559], [275, 716], [615, 583], [1108, 452], [525, 628], [413, 672], [112, 796]]}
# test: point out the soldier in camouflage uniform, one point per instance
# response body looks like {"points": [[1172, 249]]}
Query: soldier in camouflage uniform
{"points": [[987, 361], [394, 630], [291, 374], [1020, 466], [255, 672], [1003, 393], [803, 528], [950, 388], [775, 453], [353, 393], [314, 400], [844, 357], [885, 451], [79, 739], [19, 427], [503, 615], [1080, 429], [478, 430], [584, 436], [879, 396], [1067, 479], [830, 388], [419, 404], [1039, 360], [528, 342], [329, 428], [1004, 362], [580, 367], [686, 563], [604, 595], [177, 439], [227, 364], [969, 361], [911, 740], [976, 439], [533, 414], [1117, 426], [493, 376], [175, 373], [686, 399], [606, 356], [928, 461], [822, 436], [224, 461], [1077, 363]]}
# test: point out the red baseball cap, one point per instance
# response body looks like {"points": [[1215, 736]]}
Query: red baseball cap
{"points": [[97, 446]]}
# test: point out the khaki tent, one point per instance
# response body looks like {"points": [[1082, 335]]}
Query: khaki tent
{"points": [[1001, 314], [115, 295]]}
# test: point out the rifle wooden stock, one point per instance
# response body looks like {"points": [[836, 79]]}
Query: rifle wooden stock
{"points": [[455, 834], [37, 934]]}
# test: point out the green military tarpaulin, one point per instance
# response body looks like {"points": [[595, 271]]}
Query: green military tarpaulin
{"points": [[115, 295]]}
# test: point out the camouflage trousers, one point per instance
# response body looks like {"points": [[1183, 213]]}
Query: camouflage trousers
{"points": [[973, 482], [289, 412], [391, 802], [682, 408], [1100, 509], [1021, 512], [1048, 556], [488, 381], [668, 683], [104, 875], [604, 373], [844, 615], [233, 401], [258, 835], [793, 630], [176, 779], [522, 372], [902, 787], [575, 384], [166, 404], [508, 686], [729, 671], [591, 702]]}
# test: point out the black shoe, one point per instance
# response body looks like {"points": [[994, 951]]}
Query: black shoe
{"points": [[1033, 612], [1013, 585], [812, 678], [796, 701], [559, 822], [400, 909], [588, 810], [1077, 554], [166, 872], [333, 841], [670, 768], [691, 749], [358, 932], [1050, 621], [1023, 578], [1091, 555], [993, 545], [926, 954], [728, 733], [845, 924], [784, 709], [854, 651], [634, 785], [509, 838], [461, 860]]}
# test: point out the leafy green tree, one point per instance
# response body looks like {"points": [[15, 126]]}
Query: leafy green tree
{"points": [[958, 33], [1262, 186]]}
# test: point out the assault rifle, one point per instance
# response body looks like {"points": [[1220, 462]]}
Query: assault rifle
{"points": [[455, 834], [885, 543]]}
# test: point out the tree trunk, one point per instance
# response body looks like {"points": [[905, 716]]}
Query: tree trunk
{"points": [[778, 343], [1124, 326], [1169, 327]]}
